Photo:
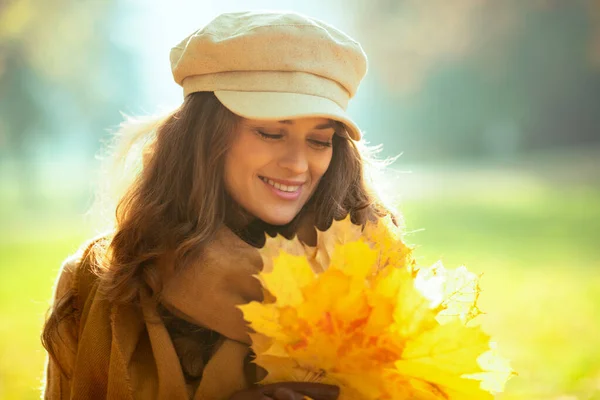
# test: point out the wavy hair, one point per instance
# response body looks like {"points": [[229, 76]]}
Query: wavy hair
{"points": [[177, 200]]}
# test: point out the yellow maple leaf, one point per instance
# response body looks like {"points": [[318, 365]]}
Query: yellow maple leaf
{"points": [[286, 283], [454, 292], [387, 239], [354, 312], [496, 370], [443, 354]]}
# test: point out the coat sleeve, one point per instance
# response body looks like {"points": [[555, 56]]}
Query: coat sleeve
{"points": [[61, 332]]}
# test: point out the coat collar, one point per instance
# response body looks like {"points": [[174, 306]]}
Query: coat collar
{"points": [[207, 292]]}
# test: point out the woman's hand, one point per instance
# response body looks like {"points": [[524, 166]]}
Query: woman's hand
{"points": [[289, 391]]}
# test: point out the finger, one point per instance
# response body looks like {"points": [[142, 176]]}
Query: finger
{"points": [[318, 391]]}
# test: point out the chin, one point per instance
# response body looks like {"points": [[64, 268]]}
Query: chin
{"points": [[278, 219]]}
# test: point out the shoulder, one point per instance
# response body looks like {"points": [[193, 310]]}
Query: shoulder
{"points": [[80, 268]]}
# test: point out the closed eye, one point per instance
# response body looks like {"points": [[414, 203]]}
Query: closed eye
{"points": [[268, 135], [320, 143]]}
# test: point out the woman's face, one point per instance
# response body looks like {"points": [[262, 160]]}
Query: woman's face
{"points": [[273, 167]]}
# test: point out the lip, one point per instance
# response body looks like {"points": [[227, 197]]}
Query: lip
{"points": [[280, 193], [284, 182]]}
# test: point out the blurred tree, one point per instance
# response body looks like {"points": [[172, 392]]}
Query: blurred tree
{"points": [[594, 11], [482, 77], [62, 79], [19, 126], [407, 38]]}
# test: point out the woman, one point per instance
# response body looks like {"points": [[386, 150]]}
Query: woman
{"points": [[261, 144]]}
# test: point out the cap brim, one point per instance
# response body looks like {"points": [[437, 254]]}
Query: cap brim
{"points": [[283, 105]]}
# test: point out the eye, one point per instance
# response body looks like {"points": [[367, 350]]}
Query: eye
{"points": [[320, 143], [268, 136]]}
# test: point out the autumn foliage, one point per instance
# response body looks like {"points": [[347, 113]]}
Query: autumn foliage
{"points": [[356, 311]]}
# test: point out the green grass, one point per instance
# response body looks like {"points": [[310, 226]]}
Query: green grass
{"points": [[30, 257], [533, 238], [540, 260]]}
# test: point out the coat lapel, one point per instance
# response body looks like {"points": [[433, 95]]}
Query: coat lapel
{"points": [[207, 292], [126, 352], [130, 374]]}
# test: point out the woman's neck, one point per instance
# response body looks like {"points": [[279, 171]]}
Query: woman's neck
{"points": [[253, 230], [243, 224]]}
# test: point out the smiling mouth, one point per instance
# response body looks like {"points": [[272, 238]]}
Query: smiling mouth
{"points": [[279, 186]]}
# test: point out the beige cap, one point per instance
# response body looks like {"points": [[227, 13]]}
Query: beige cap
{"points": [[273, 66]]}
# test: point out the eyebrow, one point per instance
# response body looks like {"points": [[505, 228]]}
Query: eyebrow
{"points": [[328, 125]]}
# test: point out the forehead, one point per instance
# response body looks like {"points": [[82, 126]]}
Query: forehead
{"points": [[298, 123]]}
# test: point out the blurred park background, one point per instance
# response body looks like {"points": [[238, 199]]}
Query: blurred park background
{"points": [[493, 105]]}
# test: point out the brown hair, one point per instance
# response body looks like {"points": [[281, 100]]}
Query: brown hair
{"points": [[178, 200]]}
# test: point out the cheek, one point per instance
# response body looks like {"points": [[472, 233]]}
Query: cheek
{"points": [[243, 160], [320, 164], [230, 174], [235, 168]]}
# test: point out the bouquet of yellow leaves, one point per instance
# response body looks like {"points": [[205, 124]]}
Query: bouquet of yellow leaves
{"points": [[356, 312]]}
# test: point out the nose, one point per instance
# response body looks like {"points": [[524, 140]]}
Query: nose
{"points": [[294, 158]]}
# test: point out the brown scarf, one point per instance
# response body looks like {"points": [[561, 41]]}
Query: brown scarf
{"points": [[124, 352]]}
